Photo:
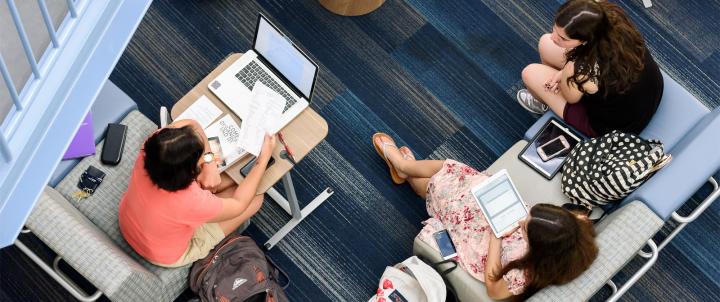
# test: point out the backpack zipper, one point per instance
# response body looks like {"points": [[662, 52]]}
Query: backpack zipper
{"points": [[215, 256]]}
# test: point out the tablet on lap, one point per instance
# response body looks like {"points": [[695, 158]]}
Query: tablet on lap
{"points": [[501, 203]]}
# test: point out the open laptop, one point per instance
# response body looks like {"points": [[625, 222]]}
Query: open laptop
{"points": [[277, 63]]}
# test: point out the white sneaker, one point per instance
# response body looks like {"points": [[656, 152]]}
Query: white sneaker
{"points": [[530, 103]]}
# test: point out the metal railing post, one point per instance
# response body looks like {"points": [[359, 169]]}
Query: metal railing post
{"points": [[48, 23], [23, 37]]}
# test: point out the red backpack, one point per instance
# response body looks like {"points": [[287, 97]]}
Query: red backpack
{"points": [[237, 270]]}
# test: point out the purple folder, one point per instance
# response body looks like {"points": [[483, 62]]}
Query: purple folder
{"points": [[84, 142]]}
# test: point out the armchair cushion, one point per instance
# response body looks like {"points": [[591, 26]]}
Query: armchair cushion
{"points": [[101, 209], [678, 112], [695, 159], [533, 187], [619, 237], [110, 106]]}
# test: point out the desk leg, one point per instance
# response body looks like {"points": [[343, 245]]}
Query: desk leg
{"points": [[292, 207]]}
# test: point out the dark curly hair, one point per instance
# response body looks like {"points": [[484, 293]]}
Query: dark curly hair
{"points": [[560, 248], [171, 157], [613, 50]]}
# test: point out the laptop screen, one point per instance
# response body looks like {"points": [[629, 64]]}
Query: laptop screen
{"points": [[279, 51]]}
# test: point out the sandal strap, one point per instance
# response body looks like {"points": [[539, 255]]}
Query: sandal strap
{"points": [[385, 144]]}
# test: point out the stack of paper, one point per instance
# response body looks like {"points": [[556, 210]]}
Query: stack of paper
{"points": [[264, 113], [203, 111], [228, 132]]}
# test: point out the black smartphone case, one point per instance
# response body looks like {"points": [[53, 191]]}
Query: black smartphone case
{"points": [[246, 169], [114, 143]]}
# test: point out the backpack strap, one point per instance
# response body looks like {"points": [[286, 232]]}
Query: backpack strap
{"points": [[275, 270]]}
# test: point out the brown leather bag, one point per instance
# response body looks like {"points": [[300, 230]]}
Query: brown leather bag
{"points": [[237, 270]]}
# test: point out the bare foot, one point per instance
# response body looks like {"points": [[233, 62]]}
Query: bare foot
{"points": [[392, 154]]}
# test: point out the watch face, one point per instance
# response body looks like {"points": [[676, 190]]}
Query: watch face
{"points": [[208, 157]]}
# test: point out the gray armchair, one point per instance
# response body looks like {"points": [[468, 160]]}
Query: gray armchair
{"points": [[85, 233]]}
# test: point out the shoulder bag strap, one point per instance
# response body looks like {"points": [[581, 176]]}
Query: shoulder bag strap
{"points": [[445, 271]]}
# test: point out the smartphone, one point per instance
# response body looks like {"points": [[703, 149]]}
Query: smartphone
{"points": [[114, 143], [553, 148], [447, 249], [216, 149], [246, 169]]}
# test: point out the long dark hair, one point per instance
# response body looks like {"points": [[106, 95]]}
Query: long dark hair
{"points": [[172, 156], [560, 248], [613, 50]]}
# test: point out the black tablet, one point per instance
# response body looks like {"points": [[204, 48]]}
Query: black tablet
{"points": [[548, 150]]}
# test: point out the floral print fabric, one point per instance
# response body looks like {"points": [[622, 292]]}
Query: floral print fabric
{"points": [[451, 206]]}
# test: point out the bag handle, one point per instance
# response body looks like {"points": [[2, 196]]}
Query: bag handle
{"points": [[437, 265]]}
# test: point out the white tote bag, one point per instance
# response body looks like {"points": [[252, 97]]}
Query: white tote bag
{"points": [[413, 281]]}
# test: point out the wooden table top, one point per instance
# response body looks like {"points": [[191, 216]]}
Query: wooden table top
{"points": [[302, 134]]}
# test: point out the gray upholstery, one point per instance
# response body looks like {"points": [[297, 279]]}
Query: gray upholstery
{"points": [[110, 106], [619, 237], [86, 234], [539, 190]]}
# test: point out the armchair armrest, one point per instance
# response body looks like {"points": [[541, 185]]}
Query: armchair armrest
{"points": [[619, 237], [695, 160], [90, 251]]}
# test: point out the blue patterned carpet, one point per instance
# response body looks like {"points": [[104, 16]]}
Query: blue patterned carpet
{"points": [[439, 76]]}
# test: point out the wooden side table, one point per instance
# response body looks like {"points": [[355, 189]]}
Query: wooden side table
{"points": [[303, 133], [351, 7]]}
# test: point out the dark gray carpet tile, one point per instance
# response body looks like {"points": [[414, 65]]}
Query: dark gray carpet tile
{"points": [[483, 37], [371, 74], [673, 278], [674, 55], [352, 125], [340, 246], [467, 148], [465, 89], [393, 23]]}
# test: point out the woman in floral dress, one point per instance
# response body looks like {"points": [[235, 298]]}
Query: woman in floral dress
{"points": [[551, 246]]}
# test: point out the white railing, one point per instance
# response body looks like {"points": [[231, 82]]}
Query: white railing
{"points": [[22, 96], [62, 82]]}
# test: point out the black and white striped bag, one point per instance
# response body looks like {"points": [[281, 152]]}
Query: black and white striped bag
{"points": [[606, 169]]}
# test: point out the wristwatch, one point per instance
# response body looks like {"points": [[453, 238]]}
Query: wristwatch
{"points": [[208, 157]]}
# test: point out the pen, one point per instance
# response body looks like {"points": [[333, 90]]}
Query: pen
{"points": [[282, 141], [287, 148]]}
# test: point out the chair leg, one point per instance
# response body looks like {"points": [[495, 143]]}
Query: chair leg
{"points": [[59, 276], [684, 220], [625, 287]]}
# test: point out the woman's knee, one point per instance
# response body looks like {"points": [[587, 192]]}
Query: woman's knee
{"points": [[529, 72], [543, 41]]}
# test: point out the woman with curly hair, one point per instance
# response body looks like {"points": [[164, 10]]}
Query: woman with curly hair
{"points": [[596, 72]]}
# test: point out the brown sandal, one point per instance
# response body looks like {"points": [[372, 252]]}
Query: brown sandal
{"points": [[381, 151]]}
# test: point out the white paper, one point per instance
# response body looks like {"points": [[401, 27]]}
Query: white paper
{"points": [[202, 110], [228, 132], [264, 111]]}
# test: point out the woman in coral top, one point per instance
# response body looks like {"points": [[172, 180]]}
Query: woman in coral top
{"points": [[552, 245], [177, 206]]}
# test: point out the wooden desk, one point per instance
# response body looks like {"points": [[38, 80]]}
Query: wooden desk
{"points": [[302, 134]]}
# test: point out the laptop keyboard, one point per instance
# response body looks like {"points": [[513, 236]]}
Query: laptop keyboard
{"points": [[253, 73]]}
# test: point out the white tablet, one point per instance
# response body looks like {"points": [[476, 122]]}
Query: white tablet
{"points": [[501, 203]]}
